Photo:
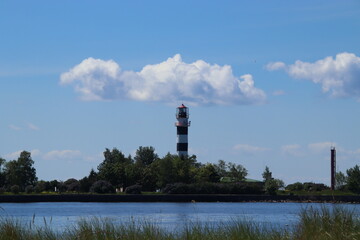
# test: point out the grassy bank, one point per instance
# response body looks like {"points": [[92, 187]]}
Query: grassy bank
{"points": [[318, 224]]}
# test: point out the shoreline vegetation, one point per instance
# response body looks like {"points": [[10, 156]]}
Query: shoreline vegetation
{"points": [[146, 177], [26, 198], [324, 223]]}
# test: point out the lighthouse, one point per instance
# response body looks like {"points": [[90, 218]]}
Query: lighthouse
{"points": [[182, 124]]}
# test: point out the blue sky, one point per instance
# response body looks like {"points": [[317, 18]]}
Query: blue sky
{"points": [[272, 83]]}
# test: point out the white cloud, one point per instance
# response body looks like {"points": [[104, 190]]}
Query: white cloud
{"points": [[340, 76], [32, 126], [292, 150], [197, 83], [61, 154], [275, 66], [15, 155], [14, 127], [321, 146], [249, 148]]}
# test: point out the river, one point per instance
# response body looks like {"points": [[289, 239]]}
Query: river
{"points": [[166, 215]]}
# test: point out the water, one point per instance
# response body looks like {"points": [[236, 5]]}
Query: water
{"points": [[166, 215]]}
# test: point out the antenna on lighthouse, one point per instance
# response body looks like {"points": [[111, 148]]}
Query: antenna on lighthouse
{"points": [[182, 124]]}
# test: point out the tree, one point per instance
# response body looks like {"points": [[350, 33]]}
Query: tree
{"points": [[237, 172], [113, 168], [21, 171], [353, 179], [340, 180], [145, 156], [87, 182], [207, 173], [2, 173], [221, 168], [267, 175], [102, 186], [272, 185]]}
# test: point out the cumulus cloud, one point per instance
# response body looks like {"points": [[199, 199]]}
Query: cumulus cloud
{"points": [[339, 76], [171, 81], [249, 148], [61, 154]]}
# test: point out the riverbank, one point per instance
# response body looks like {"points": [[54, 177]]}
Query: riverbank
{"points": [[176, 198]]}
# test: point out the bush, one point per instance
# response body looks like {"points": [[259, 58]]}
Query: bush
{"points": [[15, 189], [134, 189], [2, 190], [214, 188], [102, 186], [298, 186], [29, 189]]}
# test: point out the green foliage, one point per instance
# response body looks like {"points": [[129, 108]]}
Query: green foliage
{"points": [[102, 186], [207, 173], [21, 171], [340, 181], [15, 189], [114, 168], [353, 179], [214, 188], [145, 156], [319, 224], [298, 186], [267, 175], [2, 173], [134, 189], [29, 189], [273, 185], [87, 182]]}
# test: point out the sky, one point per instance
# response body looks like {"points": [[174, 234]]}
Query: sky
{"points": [[268, 83]]}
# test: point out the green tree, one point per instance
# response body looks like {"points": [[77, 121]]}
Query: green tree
{"points": [[221, 168], [353, 179], [207, 173], [340, 180], [2, 173], [267, 175], [272, 185], [145, 156], [21, 171], [113, 168], [237, 172]]}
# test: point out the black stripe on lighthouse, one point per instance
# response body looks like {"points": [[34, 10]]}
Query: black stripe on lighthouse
{"points": [[182, 147], [182, 130]]}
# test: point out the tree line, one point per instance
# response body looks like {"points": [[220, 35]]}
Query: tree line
{"points": [[146, 171]]}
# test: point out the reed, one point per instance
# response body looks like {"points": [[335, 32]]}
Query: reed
{"points": [[318, 224]]}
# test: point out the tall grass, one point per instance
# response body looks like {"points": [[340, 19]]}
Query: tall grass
{"points": [[317, 224]]}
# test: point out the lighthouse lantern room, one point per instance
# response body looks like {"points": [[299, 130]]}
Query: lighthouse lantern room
{"points": [[182, 124]]}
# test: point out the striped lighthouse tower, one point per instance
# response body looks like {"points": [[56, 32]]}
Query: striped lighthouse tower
{"points": [[182, 124]]}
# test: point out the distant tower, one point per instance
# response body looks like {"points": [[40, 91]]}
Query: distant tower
{"points": [[333, 167], [182, 124]]}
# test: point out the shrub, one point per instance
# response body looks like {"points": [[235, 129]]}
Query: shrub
{"points": [[2, 190], [15, 189], [29, 189], [213, 188], [298, 186], [102, 186], [134, 189]]}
